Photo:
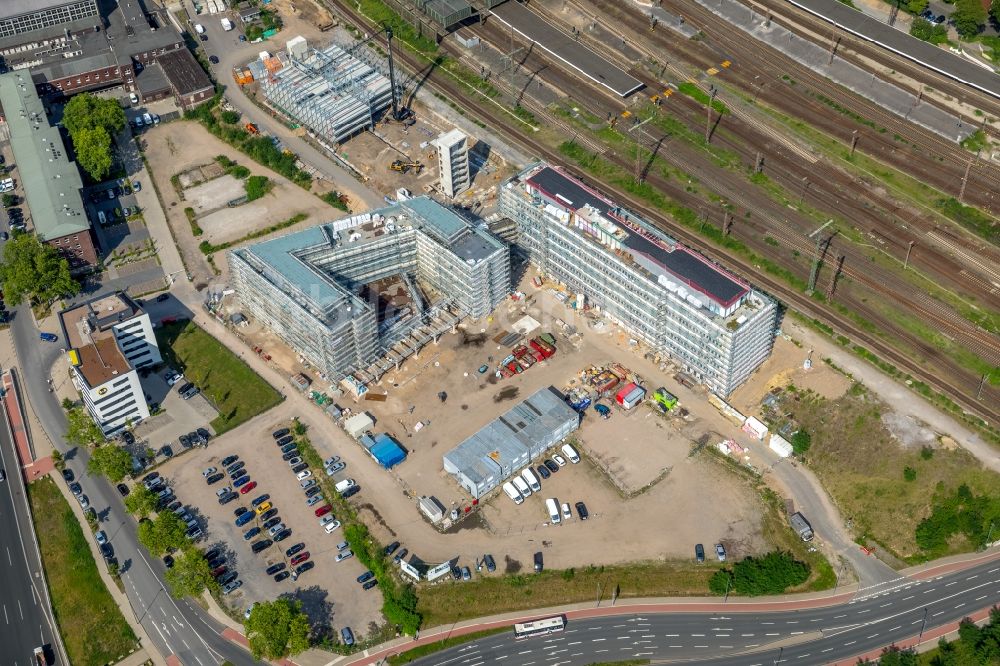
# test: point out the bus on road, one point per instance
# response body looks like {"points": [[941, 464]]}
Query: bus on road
{"points": [[547, 625]]}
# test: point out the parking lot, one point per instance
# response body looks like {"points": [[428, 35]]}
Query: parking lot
{"points": [[329, 592]]}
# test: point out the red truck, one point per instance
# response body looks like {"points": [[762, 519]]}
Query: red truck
{"points": [[542, 347]]}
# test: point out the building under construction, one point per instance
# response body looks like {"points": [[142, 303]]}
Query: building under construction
{"points": [[336, 92]]}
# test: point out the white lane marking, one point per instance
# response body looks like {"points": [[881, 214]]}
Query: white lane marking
{"points": [[10, 561], [851, 643], [837, 617], [770, 634], [5, 614], [185, 644], [574, 643], [959, 606], [592, 640], [938, 613], [745, 635], [826, 650], [20, 610], [971, 577], [698, 635], [981, 598], [954, 582], [163, 638], [907, 598], [525, 652], [605, 650]]}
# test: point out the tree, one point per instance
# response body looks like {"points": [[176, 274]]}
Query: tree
{"points": [[86, 111], [995, 11], [895, 656], [916, 6], [68, 404], [141, 501], [772, 573], [57, 460], [110, 460], [277, 629], [8, 200], [36, 271], [163, 533], [190, 575], [93, 151], [968, 18], [82, 431], [801, 441], [929, 32]]}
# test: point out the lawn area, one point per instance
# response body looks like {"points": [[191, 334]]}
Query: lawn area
{"points": [[90, 622], [884, 485], [237, 392], [444, 604]]}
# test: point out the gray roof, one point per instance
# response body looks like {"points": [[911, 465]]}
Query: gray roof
{"points": [[152, 79], [11, 8], [51, 182], [185, 74], [452, 231], [509, 436]]}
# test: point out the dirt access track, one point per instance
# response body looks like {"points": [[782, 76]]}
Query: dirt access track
{"points": [[174, 147]]}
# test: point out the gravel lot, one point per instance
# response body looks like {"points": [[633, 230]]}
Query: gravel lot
{"points": [[329, 592]]}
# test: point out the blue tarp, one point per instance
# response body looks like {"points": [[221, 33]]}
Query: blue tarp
{"points": [[387, 452]]}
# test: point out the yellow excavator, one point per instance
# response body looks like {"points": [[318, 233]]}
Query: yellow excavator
{"points": [[403, 167]]}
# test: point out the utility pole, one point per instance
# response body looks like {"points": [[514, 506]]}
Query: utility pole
{"points": [[708, 115], [982, 383], [922, 625], [822, 245], [833, 49], [638, 164], [854, 141], [906, 262], [893, 13]]}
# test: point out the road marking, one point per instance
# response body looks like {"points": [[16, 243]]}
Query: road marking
{"points": [[938, 613], [671, 635], [626, 648], [836, 617], [826, 650], [792, 622], [767, 622], [592, 640], [595, 652], [722, 635], [873, 636], [574, 643], [19, 609], [649, 636], [701, 646], [618, 626], [675, 646], [503, 656], [993, 570], [851, 643], [981, 598], [907, 598], [698, 635], [745, 635], [895, 628], [929, 590], [796, 633], [5, 614], [886, 605], [959, 606], [802, 656], [185, 644], [864, 611], [752, 645], [10, 561], [954, 582], [770, 634], [623, 638], [527, 651], [971, 577]]}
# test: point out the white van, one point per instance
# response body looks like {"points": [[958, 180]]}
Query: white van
{"points": [[148, 119], [571, 453], [512, 493], [520, 484], [102, 218], [343, 485], [531, 479], [553, 508]]}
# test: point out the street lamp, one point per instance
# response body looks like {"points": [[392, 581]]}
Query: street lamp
{"points": [[922, 625]]}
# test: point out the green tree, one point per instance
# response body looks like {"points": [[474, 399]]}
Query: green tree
{"points": [[968, 18], [929, 32], [8, 200], [86, 111], [801, 441], [110, 460], [190, 575], [277, 629], [772, 573], [68, 404], [93, 151], [916, 6], [995, 11], [81, 430], [894, 656], [36, 271], [140, 501], [163, 533], [57, 460], [230, 117]]}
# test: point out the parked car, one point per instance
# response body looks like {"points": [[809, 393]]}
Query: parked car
{"points": [[235, 467], [229, 460], [331, 527], [699, 552], [294, 549], [209, 471], [559, 460], [350, 492], [301, 467], [295, 460], [285, 441], [332, 460], [400, 555], [391, 548], [720, 552], [302, 568], [466, 573], [275, 529], [263, 544], [552, 467], [365, 577], [326, 520], [275, 568], [215, 478], [263, 507], [281, 576], [307, 483], [344, 554], [257, 501], [278, 434], [581, 511], [232, 587], [544, 472], [369, 585], [323, 510], [269, 514], [333, 469], [247, 488], [242, 481], [291, 455], [227, 498], [491, 564], [123, 490], [313, 490], [300, 558], [251, 533], [244, 519], [282, 535], [268, 524], [315, 499], [303, 475]]}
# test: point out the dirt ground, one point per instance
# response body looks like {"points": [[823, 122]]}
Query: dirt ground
{"points": [[622, 456], [784, 367], [329, 592], [177, 146], [302, 17]]}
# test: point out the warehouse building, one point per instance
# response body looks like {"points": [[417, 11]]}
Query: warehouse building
{"points": [[109, 338], [505, 445], [357, 296], [50, 180], [685, 307], [336, 92]]}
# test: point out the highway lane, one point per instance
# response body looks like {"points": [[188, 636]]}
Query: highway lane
{"points": [[174, 626], [25, 622], [873, 619]]}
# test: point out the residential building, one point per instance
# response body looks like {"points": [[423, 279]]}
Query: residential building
{"points": [[712, 323], [453, 162], [379, 284], [50, 181], [108, 339], [510, 442]]}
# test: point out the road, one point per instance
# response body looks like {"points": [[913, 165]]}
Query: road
{"points": [[735, 637], [26, 622], [175, 627]]}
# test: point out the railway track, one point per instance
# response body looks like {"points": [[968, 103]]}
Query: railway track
{"points": [[987, 408]]}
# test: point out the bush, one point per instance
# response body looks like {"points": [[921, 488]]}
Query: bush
{"points": [[337, 200], [960, 513], [257, 187], [801, 441], [230, 117], [771, 574], [929, 32], [909, 474]]}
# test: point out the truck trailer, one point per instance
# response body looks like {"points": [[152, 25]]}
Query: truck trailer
{"points": [[801, 526]]}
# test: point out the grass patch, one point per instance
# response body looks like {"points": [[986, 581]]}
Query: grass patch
{"points": [[92, 626], [237, 392], [208, 248], [443, 644], [522, 589], [971, 218], [193, 221], [863, 466], [337, 200], [700, 96], [975, 142]]}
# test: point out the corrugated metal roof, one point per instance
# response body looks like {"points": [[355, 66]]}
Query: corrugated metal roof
{"points": [[51, 182]]}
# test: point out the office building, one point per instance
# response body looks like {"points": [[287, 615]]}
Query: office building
{"points": [[505, 445], [108, 339], [453, 162], [713, 324], [50, 181], [358, 295]]}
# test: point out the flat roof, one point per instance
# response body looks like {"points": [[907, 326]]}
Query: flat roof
{"points": [[51, 182], [569, 51], [679, 261], [183, 71], [86, 322], [101, 362], [152, 79], [12, 8], [926, 54]]}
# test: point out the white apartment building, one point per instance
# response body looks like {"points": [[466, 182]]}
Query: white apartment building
{"points": [[108, 339], [453, 162]]}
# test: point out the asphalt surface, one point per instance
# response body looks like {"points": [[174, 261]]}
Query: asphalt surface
{"points": [[175, 627], [26, 623], [875, 618]]}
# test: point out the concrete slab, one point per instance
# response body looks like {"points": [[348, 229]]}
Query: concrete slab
{"points": [[564, 48]]}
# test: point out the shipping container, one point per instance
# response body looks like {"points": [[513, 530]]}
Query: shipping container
{"points": [[665, 398], [630, 395], [547, 337]]}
